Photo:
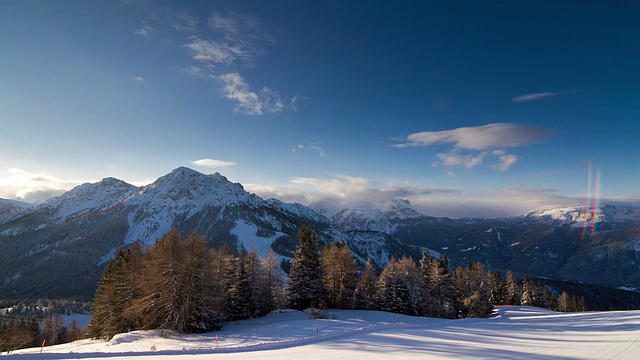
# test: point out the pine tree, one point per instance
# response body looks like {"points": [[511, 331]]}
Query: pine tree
{"points": [[261, 303], [177, 292], [541, 296], [428, 272], [240, 294], [400, 286], [111, 311], [73, 333], [564, 302], [340, 274], [477, 305], [200, 294], [513, 289], [304, 284], [526, 298], [444, 302], [274, 281], [365, 293]]}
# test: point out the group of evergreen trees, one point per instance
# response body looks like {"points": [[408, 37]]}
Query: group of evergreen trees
{"points": [[183, 285], [17, 332]]}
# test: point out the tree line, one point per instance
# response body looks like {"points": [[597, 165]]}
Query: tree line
{"points": [[181, 284], [21, 331]]}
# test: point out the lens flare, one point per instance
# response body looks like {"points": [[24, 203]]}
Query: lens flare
{"points": [[596, 205], [592, 204], [586, 207]]}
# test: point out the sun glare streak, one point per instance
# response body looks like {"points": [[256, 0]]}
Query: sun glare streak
{"points": [[596, 205], [586, 207]]}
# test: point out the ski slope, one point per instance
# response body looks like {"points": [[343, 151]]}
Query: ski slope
{"points": [[513, 333]]}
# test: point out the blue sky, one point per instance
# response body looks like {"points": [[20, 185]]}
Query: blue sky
{"points": [[465, 108]]}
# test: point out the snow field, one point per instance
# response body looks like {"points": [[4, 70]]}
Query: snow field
{"points": [[513, 333]]}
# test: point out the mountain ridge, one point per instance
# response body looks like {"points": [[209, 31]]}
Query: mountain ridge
{"points": [[85, 226]]}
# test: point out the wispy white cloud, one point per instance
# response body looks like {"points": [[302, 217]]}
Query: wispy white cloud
{"points": [[214, 53], [315, 148], [228, 25], [539, 96], [235, 88], [218, 51], [454, 158], [248, 102], [195, 72], [138, 78], [185, 23], [496, 135], [506, 160], [212, 163], [145, 31], [240, 28]]}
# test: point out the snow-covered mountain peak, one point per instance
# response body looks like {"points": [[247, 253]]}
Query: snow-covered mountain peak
{"points": [[382, 216], [399, 209], [89, 197]]}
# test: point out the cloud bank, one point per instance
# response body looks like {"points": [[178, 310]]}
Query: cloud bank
{"points": [[471, 146], [19, 184], [344, 191], [497, 135]]}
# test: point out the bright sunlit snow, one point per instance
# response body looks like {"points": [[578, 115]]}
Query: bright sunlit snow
{"points": [[513, 333]]}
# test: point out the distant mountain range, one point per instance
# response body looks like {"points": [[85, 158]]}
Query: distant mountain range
{"points": [[59, 248]]}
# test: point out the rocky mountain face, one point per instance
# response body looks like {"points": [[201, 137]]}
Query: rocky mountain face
{"points": [[59, 248]]}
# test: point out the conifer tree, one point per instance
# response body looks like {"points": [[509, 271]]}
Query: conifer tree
{"points": [[365, 293], [274, 281], [177, 293], [527, 292], [200, 294], [340, 274], [304, 284], [427, 271], [240, 293], [444, 302], [260, 304], [564, 302], [111, 311], [400, 286], [513, 295], [497, 293]]}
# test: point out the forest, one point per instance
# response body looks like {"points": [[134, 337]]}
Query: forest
{"points": [[181, 284]]}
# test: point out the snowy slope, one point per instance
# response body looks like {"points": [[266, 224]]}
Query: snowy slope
{"points": [[100, 196], [514, 333], [11, 208]]}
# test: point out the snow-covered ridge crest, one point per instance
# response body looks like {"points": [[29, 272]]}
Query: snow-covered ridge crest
{"points": [[99, 196], [181, 193], [383, 216], [578, 214]]}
